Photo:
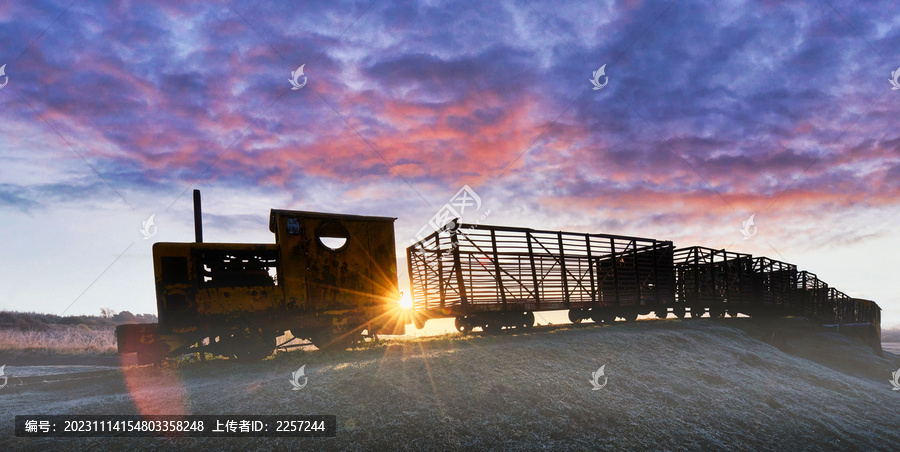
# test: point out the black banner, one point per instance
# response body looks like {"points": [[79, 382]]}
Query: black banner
{"points": [[62, 426]]}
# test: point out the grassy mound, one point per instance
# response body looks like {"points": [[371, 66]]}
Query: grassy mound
{"points": [[670, 385]]}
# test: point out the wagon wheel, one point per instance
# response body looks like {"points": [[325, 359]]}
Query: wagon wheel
{"points": [[462, 325], [630, 316], [662, 313], [528, 322], [733, 313], [604, 317], [492, 328], [326, 340], [696, 313], [254, 346], [716, 313], [679, 312], [574, 315]]}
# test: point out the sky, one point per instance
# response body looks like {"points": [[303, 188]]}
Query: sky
{"points": [[706, 113]]}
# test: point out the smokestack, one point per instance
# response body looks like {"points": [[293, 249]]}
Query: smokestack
{"points": [[198, 218]]}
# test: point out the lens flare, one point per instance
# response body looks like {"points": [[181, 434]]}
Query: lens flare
{"points": [[406, 301]]}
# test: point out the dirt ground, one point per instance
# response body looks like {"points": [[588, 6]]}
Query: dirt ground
{"points": [[670, 385]]}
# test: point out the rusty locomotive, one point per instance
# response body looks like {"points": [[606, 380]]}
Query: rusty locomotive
{"points": [[332, 279]]}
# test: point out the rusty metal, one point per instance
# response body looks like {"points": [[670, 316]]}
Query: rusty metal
{"points": [[327, 278], [198, 218]]}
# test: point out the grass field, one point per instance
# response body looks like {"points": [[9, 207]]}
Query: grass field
{"points": [[59, 339], [672, 385]]}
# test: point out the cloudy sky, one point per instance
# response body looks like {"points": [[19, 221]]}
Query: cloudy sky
{"points": [[712, 112]]}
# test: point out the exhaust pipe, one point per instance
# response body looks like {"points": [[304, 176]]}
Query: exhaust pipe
{"points": [[198, 218]]}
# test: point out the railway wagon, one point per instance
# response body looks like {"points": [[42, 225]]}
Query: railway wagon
{"points": [[840, 306], [714, 281], [812, 296], [496, 276], [827, 305], [328, 278], [866, 319], [774, 287], [830, 307]]}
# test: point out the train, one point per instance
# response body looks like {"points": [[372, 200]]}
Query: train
{"points": [[331, 280]]}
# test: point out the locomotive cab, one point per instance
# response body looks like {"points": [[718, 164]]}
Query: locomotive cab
{"points": [[328, 278]]}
